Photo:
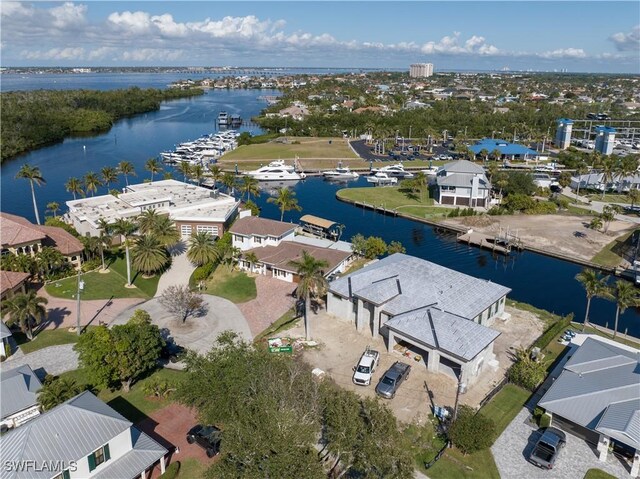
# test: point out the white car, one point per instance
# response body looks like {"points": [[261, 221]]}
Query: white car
{"points": [[363, 372]]}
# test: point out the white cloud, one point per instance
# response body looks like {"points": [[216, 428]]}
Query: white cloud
{"points": [[136, 23], [168, 27], [627, 42], [153, 54], [76, 53], [564, 53], [15, 9], [68, 15], [452, 45]]}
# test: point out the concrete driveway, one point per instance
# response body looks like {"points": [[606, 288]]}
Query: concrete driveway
{"points": [[514, 445], [197, 333]]}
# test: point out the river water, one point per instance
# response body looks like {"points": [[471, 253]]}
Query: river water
{"points": [[542, 281]]}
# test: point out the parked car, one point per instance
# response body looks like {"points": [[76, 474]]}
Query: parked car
{"points": [[546, 450], [172, 351], [365, 368], [207, 437], [392, 379]]}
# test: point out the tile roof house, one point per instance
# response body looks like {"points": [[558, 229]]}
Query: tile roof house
{"points": [[20, 236], [252, 231], [81, 438], [462, 183], [441, 312], [11, 283], [18, 396], [597, 397]]}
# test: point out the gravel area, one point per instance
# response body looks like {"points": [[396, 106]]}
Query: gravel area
{"points": [[52, 360]]}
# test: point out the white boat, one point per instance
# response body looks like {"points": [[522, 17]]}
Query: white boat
{"points": [[276, 171], [223, 118], [396, 171], [382, 179], [340, 173], [431, 171]]}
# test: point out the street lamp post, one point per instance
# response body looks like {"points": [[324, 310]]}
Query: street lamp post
{"points": [[80, 289]]}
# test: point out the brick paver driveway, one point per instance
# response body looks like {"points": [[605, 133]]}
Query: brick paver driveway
{"points": [[272, 301], [514, 445]]}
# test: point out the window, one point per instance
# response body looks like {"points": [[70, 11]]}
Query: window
{"points": [[63, 475], [257, 239], [212, 230], [98, 457]]}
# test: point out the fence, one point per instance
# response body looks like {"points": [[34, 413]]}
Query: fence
{"points": [[493, 392], [429, 464]]}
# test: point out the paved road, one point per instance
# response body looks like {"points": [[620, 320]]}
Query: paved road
{"points": [[52, 360]]}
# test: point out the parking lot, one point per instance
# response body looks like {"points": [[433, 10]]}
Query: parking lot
{"points": [[367, 153]]}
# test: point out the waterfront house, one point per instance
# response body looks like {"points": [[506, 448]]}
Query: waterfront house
{"points": [[250, 232], [83, 438], [5, 334], [192, 208], [462, 183], [597, 397], [12, 283], [439, 313], [20, 236], [594, 181], [18, 396]]}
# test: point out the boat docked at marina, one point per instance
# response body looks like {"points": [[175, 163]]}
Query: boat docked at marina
{"points": [[396, 171], [276, 171], [204, 150], [340, 173], [381, 178], [223, 118]]}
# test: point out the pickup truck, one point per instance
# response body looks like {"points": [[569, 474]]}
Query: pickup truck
{"points": [[546, 450], [392, 379], [366, 367]]}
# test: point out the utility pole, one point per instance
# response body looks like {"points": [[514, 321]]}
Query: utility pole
{"points": [[79, 291], [461, 386]]}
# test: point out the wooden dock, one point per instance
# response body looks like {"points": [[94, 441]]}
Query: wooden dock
{"points": [[494, 243]]}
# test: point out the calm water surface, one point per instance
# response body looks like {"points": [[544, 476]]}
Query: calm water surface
{"points": [[547, 283]]}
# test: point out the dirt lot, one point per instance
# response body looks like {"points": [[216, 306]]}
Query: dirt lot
{"points": [[340, 347], [567, 235]]}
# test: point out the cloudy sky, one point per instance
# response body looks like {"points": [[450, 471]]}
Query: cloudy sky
{"points": [[578, 36]]}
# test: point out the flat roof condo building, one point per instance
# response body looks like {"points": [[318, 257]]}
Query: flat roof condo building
{"points": [[191, 207], [421, 70]]}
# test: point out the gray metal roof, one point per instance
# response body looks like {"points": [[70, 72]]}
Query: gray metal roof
{"points": [[444, 331], [380, 291], [145, 452], [462, 166], [5, 332], [622, 421], [421, 283], [463, 180], [597, 376], [68, 432], [18, 390]]}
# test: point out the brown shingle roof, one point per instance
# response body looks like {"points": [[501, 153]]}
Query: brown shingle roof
{"points": [[61, 240], [253, 225], [11, 279], [16, 230], [281, 256]]}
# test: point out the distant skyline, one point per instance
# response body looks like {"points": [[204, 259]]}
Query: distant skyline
{"points": [[576, 36]]}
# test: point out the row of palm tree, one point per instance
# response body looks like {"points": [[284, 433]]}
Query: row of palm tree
{"points": [[25, 309], [622, 292]]}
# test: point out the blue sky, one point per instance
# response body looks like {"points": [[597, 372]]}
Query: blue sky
{"points": [[578, 36]]}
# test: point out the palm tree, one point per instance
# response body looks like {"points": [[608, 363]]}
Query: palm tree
{"points": [[166, 231], [25, 309], [126, 168], [216, 173], [184, 168], [105, 239], [228, 180], [634, 196], [197, 172], [496, 154], [153, 166], [608, 167], [581, 170], [252, 259], [484, 153], [286, 201], [32, 173], [91, 182], [595, 285], [147, 221], [74, 186], [312, 283], [109, 175], [249, 185], [202, 248], [626, 295], [54, 207], [57, 390], [126, 229], [149, 254]]}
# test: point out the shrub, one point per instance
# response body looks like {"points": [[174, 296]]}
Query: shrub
{"points": [[454, 213], [496, 211], [157, 387], [140, 316], [526, 372], [91, 264], [518, 202], [472, 432], [61, 224], [171, 472], [541, 208], [545, 420], [552, 331], [203, 272]]}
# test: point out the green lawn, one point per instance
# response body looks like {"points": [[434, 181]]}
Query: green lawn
{"points": [[610, 198], [286, 321], [148, 286], [610, 255], [454, 465], [505, 406], [96, 286], [302, 148], [388, 197], [235, 286], [191, 469], [598, 474], [44, 339], [134, 405]]}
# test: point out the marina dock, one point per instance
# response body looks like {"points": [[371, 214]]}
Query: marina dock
{"points": [[502, 244]]}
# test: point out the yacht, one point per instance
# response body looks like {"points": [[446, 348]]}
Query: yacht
{"points": [[340, 173], [276, 171], [223, 118], [396, 171], [431, 171], [382, 179]]}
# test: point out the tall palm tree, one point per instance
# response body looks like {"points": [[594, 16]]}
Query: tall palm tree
{"points": [[484, 153], [626, 295], [249, 185], [197, 172], [32, 173], [581, 170], [109, 175], [286, 201], [185, 168], [57, 390], [216, 173], [594, 284], [105, 239], [126, 168], [74, 186], [312, 283], [202, 248], [149, 254], [166, 231], [228, 180], [54, 207], [126, 229], [496, 154], [608, 171], [147, 221], [153, 166], [91, 182], [252, 259], [25, 309]]}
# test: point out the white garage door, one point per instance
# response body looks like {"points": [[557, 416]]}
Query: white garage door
{"points": [[185, 230], [212, 230]]}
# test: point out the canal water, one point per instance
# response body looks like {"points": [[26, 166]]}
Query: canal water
{"points": [[542, 281]]}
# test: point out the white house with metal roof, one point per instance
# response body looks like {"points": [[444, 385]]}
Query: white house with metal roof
{"points": [[462, 183], [441, 312], [81, 438], [597, 398], [5, 334], [18, 396]]}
